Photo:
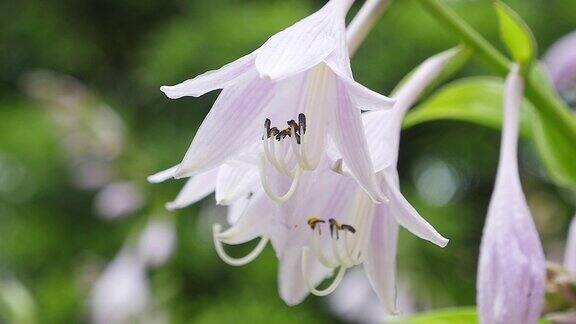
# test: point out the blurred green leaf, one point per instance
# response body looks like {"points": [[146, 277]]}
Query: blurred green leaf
{"points": [[462, 315], [476, 100], [556, 149], [516, 35]]}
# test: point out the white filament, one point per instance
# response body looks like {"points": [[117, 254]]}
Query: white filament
{"points": [[265, 185], [328, 290], [237, 262]]}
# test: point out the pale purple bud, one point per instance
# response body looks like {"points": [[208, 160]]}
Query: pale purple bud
{"points": [[512, 270]]}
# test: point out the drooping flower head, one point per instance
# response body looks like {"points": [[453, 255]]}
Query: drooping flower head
{"points": [[283, 104], [330, 225], [512, 270]]}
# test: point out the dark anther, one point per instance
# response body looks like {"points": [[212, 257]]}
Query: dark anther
{"points": [[292, 123], [297, 138], [282, 134], [348, 228], [302, 123], [273, 132], [334, 226]]}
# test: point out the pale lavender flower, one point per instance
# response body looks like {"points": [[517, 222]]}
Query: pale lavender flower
{"points": [[570, 250], [157, 242], [330, 224], [117, 200], [282, 104], [561, 63], [122, 294], [512, 270]]}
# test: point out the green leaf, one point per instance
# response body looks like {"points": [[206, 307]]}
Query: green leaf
{"points": [[476, 100], [479, 100], [516, 35], [462, 315]]}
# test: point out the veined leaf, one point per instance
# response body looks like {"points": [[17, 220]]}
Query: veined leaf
{"points": [[516, 35], [476, 100]]}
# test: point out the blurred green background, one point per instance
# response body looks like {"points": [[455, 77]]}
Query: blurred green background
{"points": [[56, 236]]}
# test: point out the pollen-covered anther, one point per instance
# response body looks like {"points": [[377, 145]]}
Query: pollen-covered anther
{"points": [[314, 222]]}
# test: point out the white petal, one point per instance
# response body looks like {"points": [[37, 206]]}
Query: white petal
{"points": [[235, 180], [163, 175], [383, 127], [362, 97], [382, 137], [406, 215], [195, 189], [254, 222], [348, 135], [380, 259], [570, 253], [292, 287], [421, 78], [211, 80], [236, 209], [233, 124], [301, 46]]}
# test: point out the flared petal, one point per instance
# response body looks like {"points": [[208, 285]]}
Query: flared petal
{"points": [[380, 258], [255, 221], [234, 123], [383, 127], [235, 180], [236, 209], [570, 253], [348, 135], [362, 97], [163, 175], [302, 45], [212, 80], [511, 270], [405, 214], [292, 287], [195, 189]]}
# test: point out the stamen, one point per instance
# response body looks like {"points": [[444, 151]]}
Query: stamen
{"points": [[313, 222], [264, 180], [306, 276], [320, 255], [236, 261], [302, 123]]}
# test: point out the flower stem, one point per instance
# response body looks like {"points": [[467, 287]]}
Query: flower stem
{"points": [[363, 22], [549, 105]]}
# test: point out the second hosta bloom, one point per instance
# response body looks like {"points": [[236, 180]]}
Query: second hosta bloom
{"points": [[282, 104], [512, 270]]}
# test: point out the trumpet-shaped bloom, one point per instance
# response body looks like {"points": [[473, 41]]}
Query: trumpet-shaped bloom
{"points": [[512, 270], [283, 103], [330, 224]]}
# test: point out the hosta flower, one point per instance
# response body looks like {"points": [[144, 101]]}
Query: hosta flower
{"points": [[570, 252], [282, 104], [512, 270], [331, 224]]}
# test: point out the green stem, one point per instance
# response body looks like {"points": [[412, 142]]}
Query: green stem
{"points": [[549, 105]]}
